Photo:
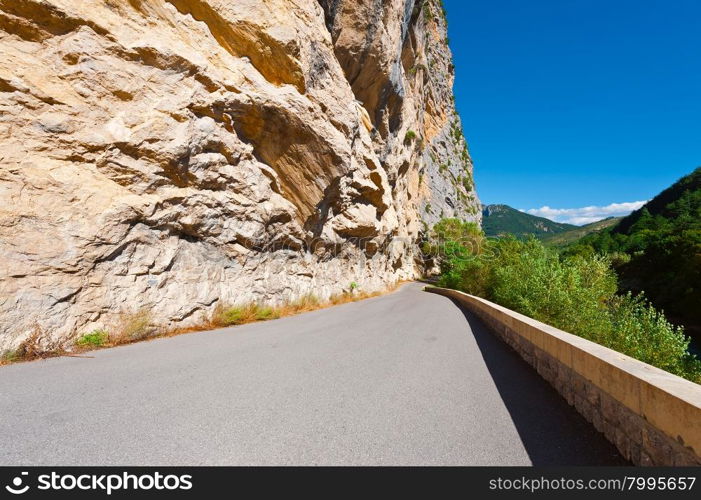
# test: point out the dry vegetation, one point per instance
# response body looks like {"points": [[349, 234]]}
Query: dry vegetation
{"points": [[138, 326]]}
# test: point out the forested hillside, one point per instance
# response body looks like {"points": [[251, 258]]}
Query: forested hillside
{"points": [[657, 249], [572, 235]]}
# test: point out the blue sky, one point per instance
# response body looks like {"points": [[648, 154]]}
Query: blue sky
{"points": [[578, 103]]}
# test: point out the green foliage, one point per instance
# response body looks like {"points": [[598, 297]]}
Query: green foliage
{"points": [[567, 294], [458, 231], [467, 182], [465, 155], [410, 135], [456, 132], [457, 243], [96, 338], [642, 332], [264, 313], [415, 68], [9, 356], [236, 315], [657, 249], [428, 15], [233, 316], [573, 293]]}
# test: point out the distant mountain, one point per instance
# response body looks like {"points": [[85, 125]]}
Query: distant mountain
{"points": [[498, 220], [567, 237]]}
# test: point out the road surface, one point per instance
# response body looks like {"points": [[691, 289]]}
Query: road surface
{"points": [[403, 379]]}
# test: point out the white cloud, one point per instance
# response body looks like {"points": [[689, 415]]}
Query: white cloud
{"points": [[585, 215]]}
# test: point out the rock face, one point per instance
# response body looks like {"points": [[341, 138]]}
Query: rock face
{"points": [[176, 154]]}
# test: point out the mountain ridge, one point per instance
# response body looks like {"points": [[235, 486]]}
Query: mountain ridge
{"points": [[566, 237], [500, 219]]}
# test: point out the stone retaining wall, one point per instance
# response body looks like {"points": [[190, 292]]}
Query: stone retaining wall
{"points": [[653, 417]]}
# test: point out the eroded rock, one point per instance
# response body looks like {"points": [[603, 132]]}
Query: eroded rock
{"points": [[172, 154]]}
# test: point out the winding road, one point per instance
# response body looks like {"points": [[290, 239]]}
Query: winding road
{"points": [[404, 379]]}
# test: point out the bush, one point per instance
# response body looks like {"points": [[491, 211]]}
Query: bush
{"points": [[36, 345], [96, 338], [305, 303], [410, 136], [467, 183], [235, 315], [264, 313], [458, 246], [247, 313], [642, 332], [428, 16], [567, 294], [133, 327], [574, 293]]}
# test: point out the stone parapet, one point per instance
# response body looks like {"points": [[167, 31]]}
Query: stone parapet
{"points": [[652, 416]]}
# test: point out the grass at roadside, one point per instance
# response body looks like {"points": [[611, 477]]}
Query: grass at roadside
{"points": [[138, 326]]}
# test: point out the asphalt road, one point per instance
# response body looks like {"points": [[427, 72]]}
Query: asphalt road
{"points": [[403, 379]]}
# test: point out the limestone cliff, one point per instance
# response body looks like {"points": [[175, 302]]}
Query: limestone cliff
{"points": [[174, 154]]}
